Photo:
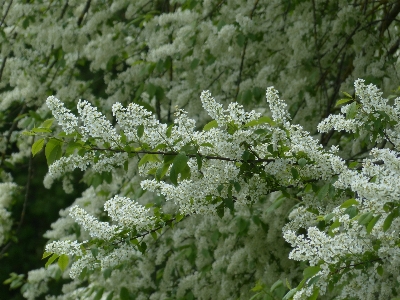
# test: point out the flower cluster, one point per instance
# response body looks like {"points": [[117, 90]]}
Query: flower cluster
{"points": [[67, 120], [128, 213]]}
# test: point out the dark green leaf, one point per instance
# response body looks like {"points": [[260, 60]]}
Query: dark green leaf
{"points": [[53, 151], [194, 63], [169, 130], [99, 294], [180, 162], [302, 162], [389, 219], [107, 273], [173, 176], [277, 203], [323, 191], [124, 294], [365, 218], [372, 223], [295, 173], [311, 271], [240, 39], [199, 162], [140, 130]]}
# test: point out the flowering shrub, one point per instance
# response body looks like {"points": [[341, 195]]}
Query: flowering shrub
{"points": [[173, 211], [343, 226]]}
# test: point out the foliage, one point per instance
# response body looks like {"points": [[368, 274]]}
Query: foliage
{"points": [[209, 204]]}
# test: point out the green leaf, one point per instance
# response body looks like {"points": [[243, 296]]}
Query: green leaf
{"points": [[246, 96], [342, 101], [260, 131], [53, 151], [110, 296], [311, 271], [276, 285], [290, 294], [295, 173], [207, 145], [72, 146], [229, 204], [179, 217], [323, 191], [173, 176], [389, 219], [349, 203], [37, 130], [379, 270], [313, 280], [46, 254], [302, 162], [329, 217], [237, 186], [124, 294], [347, 95], [47, 123], [352, 111], [334, 225], [353, 164], [372, 223], [352, 211], [169, 130], [37, 146], [148, 158], [99, 294], [107, 273], [63, 262], [277, 203], [95, 251], [185, 174], [210, 125], [180, 162], [199, 162], [194, 63], [258, 287], [365, 218], [140, 130], [51, 260], [161, 171], [315, 293], [240, 39]]}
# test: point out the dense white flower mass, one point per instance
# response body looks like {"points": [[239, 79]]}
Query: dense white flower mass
{"points": [[233, 164]]}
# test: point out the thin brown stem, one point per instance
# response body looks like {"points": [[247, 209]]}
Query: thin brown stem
{"points": [[5, 15], [84, 12]]}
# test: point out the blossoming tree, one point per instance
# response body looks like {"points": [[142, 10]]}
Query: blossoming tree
{"points": [[205, 199]]}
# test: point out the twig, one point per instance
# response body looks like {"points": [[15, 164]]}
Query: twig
{"points": [[85, 10], [239, 80], [5, 15], [3, 64]]}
